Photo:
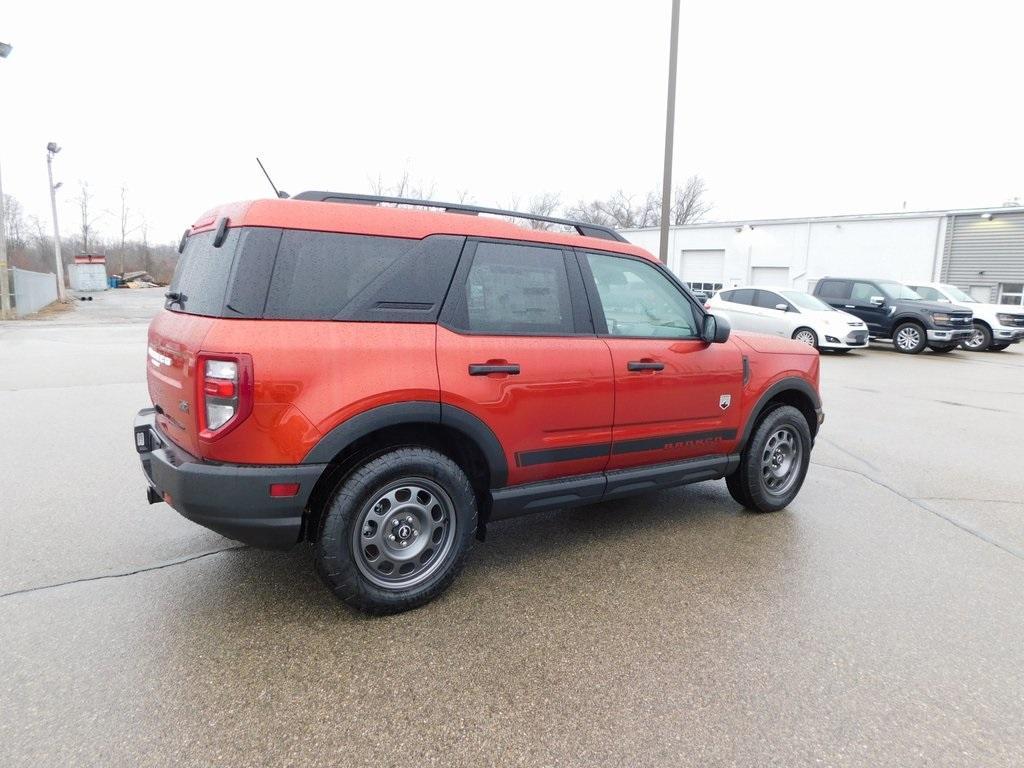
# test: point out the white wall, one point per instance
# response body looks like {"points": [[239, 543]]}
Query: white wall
{"points": [[898, 248], [32, 290]]}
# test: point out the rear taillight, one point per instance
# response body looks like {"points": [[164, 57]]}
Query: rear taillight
{"points": [[225, 389]]}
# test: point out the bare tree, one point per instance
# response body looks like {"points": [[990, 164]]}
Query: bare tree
{"points": [[14, 222], [404, 187], [690, 204], [126, 227], [545, 204], [619, 210], [84, 201]]}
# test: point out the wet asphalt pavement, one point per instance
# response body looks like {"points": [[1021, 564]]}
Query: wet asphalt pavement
{"points": [[877, 621]]}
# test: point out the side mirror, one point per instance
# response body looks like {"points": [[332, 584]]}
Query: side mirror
{"points": [[716, 329], [782, 307], [878, 301]]}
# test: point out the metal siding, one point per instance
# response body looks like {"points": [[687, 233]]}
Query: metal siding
{"points": [[975, 245]]}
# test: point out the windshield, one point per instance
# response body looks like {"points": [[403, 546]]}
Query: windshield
{"points": [[957, 295], [895, 290], [806, 301]]}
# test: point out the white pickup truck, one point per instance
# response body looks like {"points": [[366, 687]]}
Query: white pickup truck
{"points": [[996, 326]]}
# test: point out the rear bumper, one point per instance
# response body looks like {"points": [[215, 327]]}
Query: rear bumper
{"points": [[232, 499], [949, 335]]}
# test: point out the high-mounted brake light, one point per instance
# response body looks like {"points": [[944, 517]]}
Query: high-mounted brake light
{"points": [[225, 393]]}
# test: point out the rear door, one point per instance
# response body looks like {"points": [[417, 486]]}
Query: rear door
{"points": [[739, 310], [516, 348], [676, 397]]}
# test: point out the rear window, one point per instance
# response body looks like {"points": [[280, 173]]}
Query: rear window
{"points": [[202, 274]]}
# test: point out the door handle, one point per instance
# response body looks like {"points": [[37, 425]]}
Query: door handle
{"points": [[482, 369], [644, 365]]}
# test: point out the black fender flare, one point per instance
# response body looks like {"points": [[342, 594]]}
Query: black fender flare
{"points": [[790, 383], [414, 412]]}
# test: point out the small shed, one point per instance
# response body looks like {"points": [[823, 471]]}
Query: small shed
{"points": [[88, 273]]}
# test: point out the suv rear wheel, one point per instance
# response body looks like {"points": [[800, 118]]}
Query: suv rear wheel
{"points": [[774, 463], [909, 338], [397, 531]]}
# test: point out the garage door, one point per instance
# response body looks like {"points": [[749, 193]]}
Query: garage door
{"points": [[702, 266], [775, 276]]}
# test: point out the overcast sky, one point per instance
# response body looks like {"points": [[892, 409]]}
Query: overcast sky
{"points": [[786, 108]]}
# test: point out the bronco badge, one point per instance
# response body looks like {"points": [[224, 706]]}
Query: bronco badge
{"points": [[724, 401]]}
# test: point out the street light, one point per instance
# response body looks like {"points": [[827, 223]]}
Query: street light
{"points": [[5, 288], [51, 150]]}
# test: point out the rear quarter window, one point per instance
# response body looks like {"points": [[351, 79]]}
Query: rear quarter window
{"points": [[317, 273]]}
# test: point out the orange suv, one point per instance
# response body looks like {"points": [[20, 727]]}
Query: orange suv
{"points": [[383, 377]]}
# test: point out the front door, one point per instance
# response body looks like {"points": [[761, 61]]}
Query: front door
{"points": [[516, 348], [676, 397], [861, 305]]}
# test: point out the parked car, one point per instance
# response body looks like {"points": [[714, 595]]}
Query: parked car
{"points": [[996, 326], [893, 311], [792, 314], [383, 382]]}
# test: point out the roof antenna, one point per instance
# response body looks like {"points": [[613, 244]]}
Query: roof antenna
{"points": [[277, 192]]}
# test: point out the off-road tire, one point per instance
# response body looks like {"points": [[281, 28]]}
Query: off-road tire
{"points": [[335, 556], [747, 485]]}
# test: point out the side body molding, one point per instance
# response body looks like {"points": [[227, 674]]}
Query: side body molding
{"points": [[415, 412]]}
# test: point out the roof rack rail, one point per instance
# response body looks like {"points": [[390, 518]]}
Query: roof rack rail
{"points": [[581, 227]]}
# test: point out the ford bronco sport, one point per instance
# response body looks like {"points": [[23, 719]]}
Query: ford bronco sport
{"points": [[382, 381]]}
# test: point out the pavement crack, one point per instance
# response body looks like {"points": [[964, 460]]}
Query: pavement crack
{"points": [[1019, 554], [121, 575]]}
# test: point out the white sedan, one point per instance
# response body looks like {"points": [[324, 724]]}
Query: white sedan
{"points": [[790, 313]]}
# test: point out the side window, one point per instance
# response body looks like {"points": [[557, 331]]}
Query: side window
{"points": [[318, 273], [743, 296], [926, 292], [517, 289], [834, 289], [863, 292], [638, 300], [768, 300]]}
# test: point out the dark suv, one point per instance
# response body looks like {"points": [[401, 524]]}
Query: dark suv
{"points": [[891, 310], [381, 382]]}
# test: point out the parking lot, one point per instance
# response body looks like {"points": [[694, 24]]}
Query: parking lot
{"points": [[877, 621]]}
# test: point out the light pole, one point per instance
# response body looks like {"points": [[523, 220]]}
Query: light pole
{"points": [[51, 150], [5, 287], [670, 119]]}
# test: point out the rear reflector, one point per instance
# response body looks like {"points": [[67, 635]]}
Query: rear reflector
{"points": [[284, 489], [219, 388]]}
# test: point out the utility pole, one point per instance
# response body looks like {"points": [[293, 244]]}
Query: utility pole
{"points": [[51, 150], [5, 281], [670, 119]]}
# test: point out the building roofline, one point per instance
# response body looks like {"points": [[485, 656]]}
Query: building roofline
{"points": [[994, 210]]}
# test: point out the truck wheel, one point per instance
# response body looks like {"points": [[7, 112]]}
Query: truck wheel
{"points": [[909, 338], [397, 531], [774, 463], [942, 349], [998, 347], [980, 338], [807, 336]]}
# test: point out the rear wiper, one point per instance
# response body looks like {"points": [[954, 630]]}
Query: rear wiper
{"points": [[174, 297]]}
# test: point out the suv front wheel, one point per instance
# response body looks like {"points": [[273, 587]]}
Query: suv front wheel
{"points": [[774, 463], [397, 531]]}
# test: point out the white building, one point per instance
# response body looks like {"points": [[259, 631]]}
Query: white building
{"points": [[981, 251]]}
